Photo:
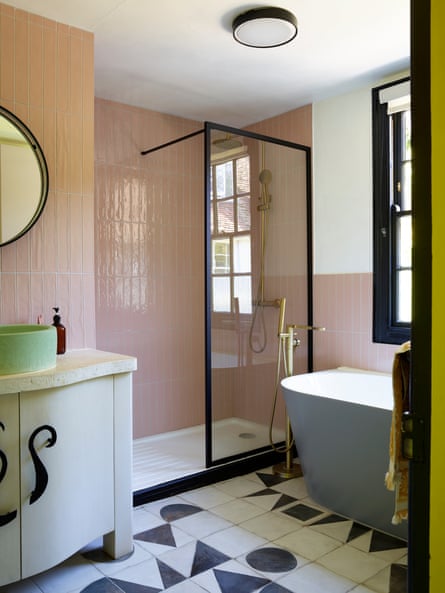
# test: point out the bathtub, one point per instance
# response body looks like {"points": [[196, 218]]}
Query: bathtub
{"points": [[341, 422]]}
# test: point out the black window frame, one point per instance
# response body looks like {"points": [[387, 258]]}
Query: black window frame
{"points": [[385, 330]]}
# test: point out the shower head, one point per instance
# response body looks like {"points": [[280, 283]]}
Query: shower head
{"points": [[228, 142], [265, 176]]}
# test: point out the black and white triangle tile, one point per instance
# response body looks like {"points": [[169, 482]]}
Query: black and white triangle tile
{"points": [[188, 548], [208, 562]]}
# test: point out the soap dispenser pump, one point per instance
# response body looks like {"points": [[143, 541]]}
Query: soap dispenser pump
{"points": [[61, 331]]}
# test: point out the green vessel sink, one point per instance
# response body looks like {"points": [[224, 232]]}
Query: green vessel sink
{"points": [[27, 348]]}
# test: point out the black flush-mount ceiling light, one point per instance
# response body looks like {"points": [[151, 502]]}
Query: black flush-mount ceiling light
{"points": [[265, 27]]}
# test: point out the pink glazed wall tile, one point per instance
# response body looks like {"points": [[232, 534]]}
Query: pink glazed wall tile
{"points": [[343, 304], [149, 230], [50, 86]]}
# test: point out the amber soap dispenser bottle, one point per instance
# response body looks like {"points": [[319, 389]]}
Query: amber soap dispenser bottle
{"points": [[61, 332]]}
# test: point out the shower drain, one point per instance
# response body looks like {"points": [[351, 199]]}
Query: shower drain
{"points": [[247, 435]]}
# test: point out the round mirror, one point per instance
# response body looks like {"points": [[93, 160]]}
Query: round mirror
{"points": [[23, 178]]}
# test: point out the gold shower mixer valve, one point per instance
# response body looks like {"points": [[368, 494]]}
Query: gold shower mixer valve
{"points": [[290, 338], [291, 334]]}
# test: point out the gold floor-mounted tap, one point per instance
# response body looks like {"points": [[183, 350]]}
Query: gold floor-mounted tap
{"points": [[290, 341]]}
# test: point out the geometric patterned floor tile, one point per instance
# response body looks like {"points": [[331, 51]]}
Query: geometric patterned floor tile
{"points": [[357, 530], [346, 530], [284, 500], [172, 512], [134, 587], [381, 542], [162, 535], [193, 558], [231, 582], [169, 575], [353, 564], [205, 558], [376, 540], [275, 588], [271, 479], [339, 530], [117, 586], [271, 560], [102, 586], [233, 546], [272, 499], [302, 512], [362, 542], [263, 492], [333, 518], [399, 579]]}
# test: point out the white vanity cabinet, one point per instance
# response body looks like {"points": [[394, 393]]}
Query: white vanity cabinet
{"points": [[66, 438], [9, 489]]}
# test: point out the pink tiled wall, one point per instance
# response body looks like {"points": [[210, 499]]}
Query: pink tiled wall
{"points": [[47, 80], [343, 304], [293, 126], [150, 260]]}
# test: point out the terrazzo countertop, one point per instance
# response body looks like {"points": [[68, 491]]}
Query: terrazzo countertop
{"points": [[72, 367]]}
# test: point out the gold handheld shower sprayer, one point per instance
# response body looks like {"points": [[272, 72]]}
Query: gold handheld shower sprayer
{"points": [[265, 179]]}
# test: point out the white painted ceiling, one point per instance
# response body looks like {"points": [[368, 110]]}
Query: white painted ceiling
{"points": [[179, 56]]}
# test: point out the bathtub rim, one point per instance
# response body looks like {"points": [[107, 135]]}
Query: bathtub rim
{"points": [[295, 384]]}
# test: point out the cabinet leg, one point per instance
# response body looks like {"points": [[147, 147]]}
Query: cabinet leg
{"points": [[116, 547], [119, 542]]}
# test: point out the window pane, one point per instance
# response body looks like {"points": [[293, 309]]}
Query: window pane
{"points": [[220, 256], [224, 180], [406, 136], [243, 175], [226, 217], [230, 220], [243, 291], [403, 298], [221, 294], [405, 141], [404, 242], [241, 255], [405, 197], [244, 214]]}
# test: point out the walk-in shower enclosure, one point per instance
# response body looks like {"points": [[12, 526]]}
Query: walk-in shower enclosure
{"points": [[258, 262]]}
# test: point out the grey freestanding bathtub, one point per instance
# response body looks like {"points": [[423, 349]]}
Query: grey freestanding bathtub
{"points": [[341, 422]]}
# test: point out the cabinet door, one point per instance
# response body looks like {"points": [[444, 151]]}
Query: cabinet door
{"points": [[67, 470], [9, 489]]}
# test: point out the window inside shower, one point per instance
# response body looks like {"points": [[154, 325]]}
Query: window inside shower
{"points": [[230, 227]]}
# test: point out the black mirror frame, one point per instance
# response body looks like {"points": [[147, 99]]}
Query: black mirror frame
{"points": [[43, 167]]}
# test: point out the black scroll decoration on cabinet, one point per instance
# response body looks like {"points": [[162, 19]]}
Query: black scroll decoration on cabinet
{"points": [[7, 517], [41, 473]]}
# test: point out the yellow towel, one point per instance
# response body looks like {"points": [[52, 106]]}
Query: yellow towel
{"points": [[397, 477]]}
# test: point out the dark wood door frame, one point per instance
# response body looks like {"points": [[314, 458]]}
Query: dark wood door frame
{"points": [[419, 516]]}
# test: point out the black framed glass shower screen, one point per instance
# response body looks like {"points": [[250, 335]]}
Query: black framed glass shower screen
{"points": [[258, 261]]}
